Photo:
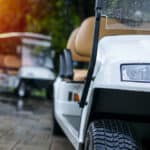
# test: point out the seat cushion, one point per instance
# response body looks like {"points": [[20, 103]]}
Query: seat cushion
{"points": [[72, 48], [12, 72], [12, 61], [80, 74]]}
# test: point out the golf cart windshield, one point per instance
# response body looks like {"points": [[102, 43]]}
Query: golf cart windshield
{"points": [[132, 15], [36, 53], [18, 49]]}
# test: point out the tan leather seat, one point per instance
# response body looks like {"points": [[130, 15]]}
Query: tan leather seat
{"points": [[12, 72], [80, 74], [12, 61], [72, 48], [83, 42]]}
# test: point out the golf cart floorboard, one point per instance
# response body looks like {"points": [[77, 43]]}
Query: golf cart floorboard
{"points": [[74, 121]]}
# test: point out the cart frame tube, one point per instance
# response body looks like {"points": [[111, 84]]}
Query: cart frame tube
{"points": [[98, 7]]}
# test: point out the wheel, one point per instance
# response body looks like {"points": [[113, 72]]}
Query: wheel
{"points": [[55, 126], [109, 135], [20, 104], [22, 90], [49, 92]]}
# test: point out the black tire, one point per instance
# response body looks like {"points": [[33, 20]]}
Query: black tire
{"points": [[56, 130], [49, 93], [26, 90], [109, 135]]}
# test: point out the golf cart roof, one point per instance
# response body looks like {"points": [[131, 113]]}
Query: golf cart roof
{"points": [[24, 35], [10, 41], [36, 42]]}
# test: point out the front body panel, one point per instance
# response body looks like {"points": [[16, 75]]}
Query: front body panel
{"points": [[114, 51]]}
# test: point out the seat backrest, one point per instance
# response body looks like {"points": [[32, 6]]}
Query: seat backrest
{"points": [[72, 48], [84, 37], [12, 61]]}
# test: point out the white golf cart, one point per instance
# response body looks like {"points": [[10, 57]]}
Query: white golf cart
{"points": [[37, 69], [107, 107], [26, 62]]}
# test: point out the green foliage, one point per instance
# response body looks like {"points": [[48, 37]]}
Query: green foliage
{"points": [[12, 16], [44, 16], [50, 17]]}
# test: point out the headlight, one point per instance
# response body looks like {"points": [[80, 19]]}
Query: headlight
{"points": [[135, 72]]}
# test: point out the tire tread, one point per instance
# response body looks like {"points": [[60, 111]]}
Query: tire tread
{"points": [[112, 135]]}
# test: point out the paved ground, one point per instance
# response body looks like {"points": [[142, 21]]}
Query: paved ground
{"points": [[29, 129]]}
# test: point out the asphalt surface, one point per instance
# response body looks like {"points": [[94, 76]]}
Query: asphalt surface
{"points": [[30, 128]]}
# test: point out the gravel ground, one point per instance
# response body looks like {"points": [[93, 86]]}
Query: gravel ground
{"points": [[30, 128]]}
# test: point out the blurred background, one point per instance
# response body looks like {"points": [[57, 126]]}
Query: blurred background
{"points": [[26, 92], [54, 18]]}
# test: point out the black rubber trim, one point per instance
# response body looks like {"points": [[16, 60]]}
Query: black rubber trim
{"points": [[75, 82], [69, 64], [121, 102], [94, 53], [62, 66]]}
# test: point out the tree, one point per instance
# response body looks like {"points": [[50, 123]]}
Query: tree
{"points": [[56, 18], [53, 20], [13, 14]]}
